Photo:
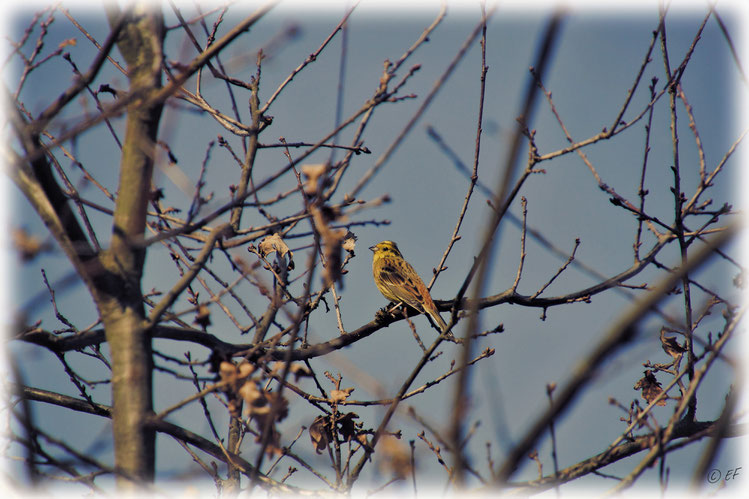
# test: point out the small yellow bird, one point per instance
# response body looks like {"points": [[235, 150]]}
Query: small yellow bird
{"points": [[398, 281]]}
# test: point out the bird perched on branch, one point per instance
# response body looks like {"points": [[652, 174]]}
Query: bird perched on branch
{"points": [[398, 281]]}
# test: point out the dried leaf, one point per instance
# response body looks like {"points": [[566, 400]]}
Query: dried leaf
{"points": [[27, 245], [332, 240], [216, 358], [650, 388], [203, 317], [274, 444], [68, 42], [739, 280], [671, 346], [340, 395], [280, 405], [269, 244], [319, 434], [300, 371], [333, 260], [246, 368], [227, 371], [107, 89], [349, 242], [313, 174], [362, 439], [395, 457], [261, 407], [347, 426], [274, 441], [254, 398]]}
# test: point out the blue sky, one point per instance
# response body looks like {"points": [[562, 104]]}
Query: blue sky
{"points": [[595, 61]]}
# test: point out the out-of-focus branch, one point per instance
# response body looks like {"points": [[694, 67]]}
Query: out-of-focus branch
{"points": [[188, 277], [618, 334], [681, 413], [504, 195], [165, 92], [84, 80], [33, 176], [697, 429], [38, 395], [449, 71]]}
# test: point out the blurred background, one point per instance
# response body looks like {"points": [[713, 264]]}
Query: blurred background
{"points": [[594, 63]]}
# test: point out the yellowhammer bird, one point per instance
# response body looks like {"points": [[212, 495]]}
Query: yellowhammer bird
{"points": [[398, 281]]}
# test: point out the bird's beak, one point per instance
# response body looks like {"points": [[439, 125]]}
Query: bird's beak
{"points": [[373, 248]]}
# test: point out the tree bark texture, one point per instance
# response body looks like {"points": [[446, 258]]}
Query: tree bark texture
{"points": [[121, 300]]}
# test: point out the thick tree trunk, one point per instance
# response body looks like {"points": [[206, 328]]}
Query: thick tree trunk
{"points": [[121, 301]]}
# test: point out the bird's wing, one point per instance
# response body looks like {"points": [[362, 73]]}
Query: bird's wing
{"points": [[402, 287]]}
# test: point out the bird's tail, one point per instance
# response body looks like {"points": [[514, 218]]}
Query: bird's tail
{"points": [[434, 314]]}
